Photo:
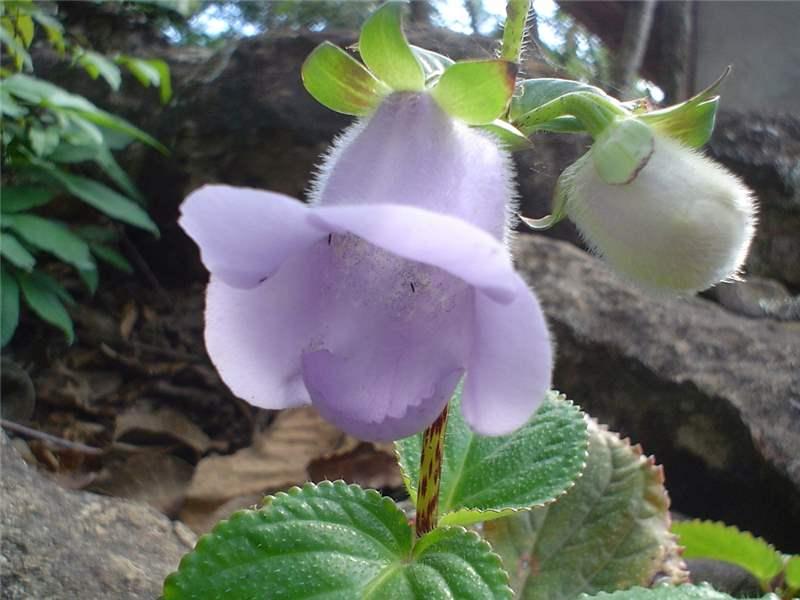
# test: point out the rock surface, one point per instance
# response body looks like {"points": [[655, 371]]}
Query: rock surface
{"points": [[715, 396], [59, 544]]}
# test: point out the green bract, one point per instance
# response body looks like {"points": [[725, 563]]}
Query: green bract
{"points": [[476, 92], [484, 476], [622, 150], [610, 531], [335, 540]]}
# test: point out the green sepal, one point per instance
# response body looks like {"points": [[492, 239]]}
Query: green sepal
{"points": [[718, 541], [609, 531], [622, 150], [533, 93], [45, 297], [9, 305], [561, 197], [385, 50], [338, 81], [476, 92], [690, 122], [511, 138], [484, 478], [667, 592], [433, 63], [335, 540]]}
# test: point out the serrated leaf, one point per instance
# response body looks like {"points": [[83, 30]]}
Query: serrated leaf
{"points": [[15, 252], [385, 50], [52, 237], [97, 65], [335, 541], [530, 467], [622, 150], [533, 93], [609, 532], [717, 541], [18, 198], [792, 572], [337, 80], [40, 295], [477, 92], [683, 592], [101, 197], [9, 306]]}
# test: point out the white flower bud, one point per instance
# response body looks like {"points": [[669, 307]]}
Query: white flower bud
{"points": [[683, 224]]}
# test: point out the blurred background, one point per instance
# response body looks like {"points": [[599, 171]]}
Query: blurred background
{"points": [[134, 409]]}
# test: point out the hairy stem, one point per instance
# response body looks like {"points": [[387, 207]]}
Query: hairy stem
{"points": [[430, 471], [514, 30]]}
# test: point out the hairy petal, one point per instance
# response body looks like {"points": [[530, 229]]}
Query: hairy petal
{"points": [[244, 234], [510, 364]]}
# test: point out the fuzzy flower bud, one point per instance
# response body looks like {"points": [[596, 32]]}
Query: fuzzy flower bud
{"points": [[683, 224]]}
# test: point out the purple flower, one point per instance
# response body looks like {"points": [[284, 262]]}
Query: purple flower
{"points": [[374, 302]]}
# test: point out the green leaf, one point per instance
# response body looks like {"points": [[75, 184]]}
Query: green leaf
{"points": [[111, 256], [16, 49], [622, 150], [337, 80], [717, 541], [52, 237], [510, 137], [482, 476], [97, 65], [533, 93], [476, 92], [164, 78], [44, 93], [9, 309], [40, 295], [665, 592], [52, 28], [385, 50], [145, 73], [43, 139], [433, 63], [609, 532], [101, 197], [793, 572], [15, 252], [335, 541], [9, 106], [691, 122], [90, 278], [18, 198]]}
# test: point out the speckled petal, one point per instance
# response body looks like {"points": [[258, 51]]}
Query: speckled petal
{"points": [[244, 234], [510, 365]]}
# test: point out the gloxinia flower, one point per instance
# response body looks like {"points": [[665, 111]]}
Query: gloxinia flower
{"points": [[684, 223], [374, 302]]}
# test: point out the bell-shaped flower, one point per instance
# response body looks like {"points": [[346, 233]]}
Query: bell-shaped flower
{"points": [[681, 224], [375, 301]]}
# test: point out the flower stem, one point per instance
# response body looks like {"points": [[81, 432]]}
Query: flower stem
{"points": [[514, 29], [430, 471]]}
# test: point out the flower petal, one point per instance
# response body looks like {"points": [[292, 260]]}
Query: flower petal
{"points": [[245, 234], [255, 337], [427, 237], [510, 366]]}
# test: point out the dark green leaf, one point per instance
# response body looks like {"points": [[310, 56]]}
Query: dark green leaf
{"points": [[90, 278], [385, 50], [52, 237], [335, 541], [717, 541], [111, 256], [9, 309], [39, 294], [102, 198], [18, 198], [609, 532], [482, 476], [476, 92], [337, 80], [15, 252], [533, 93]]}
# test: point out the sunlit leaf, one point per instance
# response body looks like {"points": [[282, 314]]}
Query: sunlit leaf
{"points": [[97, 65], [385, 50]]}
